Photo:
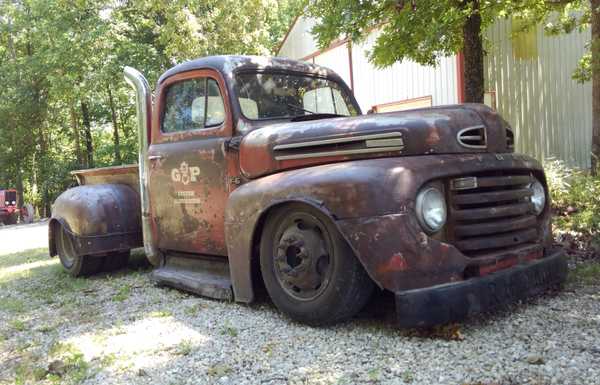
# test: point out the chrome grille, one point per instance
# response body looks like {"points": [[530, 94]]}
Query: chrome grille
{"points": [[494, 215]]}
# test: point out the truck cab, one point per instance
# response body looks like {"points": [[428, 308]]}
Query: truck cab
{"points": [[260, 170]]}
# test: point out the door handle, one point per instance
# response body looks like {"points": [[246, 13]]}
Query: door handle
{"points": [[155, 157]]}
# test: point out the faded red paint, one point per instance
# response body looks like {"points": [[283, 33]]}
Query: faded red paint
{"points": [[369, 196], [396, 263]]}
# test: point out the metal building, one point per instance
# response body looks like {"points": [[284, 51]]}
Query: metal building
{"points": [[528, 79]]}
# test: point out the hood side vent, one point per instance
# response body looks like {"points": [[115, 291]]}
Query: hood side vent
{"points": [[510, 140], [346, 146], [472, 137]]}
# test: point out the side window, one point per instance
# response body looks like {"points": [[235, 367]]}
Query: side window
{"points": [[193, 104]]}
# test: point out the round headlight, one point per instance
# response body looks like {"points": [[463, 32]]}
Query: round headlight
{"points": [[539, 196], [431, 209], [6, 203], [14, 202]]}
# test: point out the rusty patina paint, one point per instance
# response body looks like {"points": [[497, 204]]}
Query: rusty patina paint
{"points": [[427, 131], [369, 195], [373, 204], [99, 218]]}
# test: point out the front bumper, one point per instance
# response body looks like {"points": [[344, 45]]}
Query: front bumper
{"points": [[455, 301]]}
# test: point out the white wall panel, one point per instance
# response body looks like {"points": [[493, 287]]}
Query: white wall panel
{"points": [[338, 60], [550, 112], [401, 81], [299, 42]]}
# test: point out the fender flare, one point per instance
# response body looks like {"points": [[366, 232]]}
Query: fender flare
{"points": [[242, 269], [99, 219], [328, 188]]}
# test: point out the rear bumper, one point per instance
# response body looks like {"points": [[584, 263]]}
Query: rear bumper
{"points": [[455, 301]]}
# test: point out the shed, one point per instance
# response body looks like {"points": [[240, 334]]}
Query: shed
{"points": [[528, 80]]}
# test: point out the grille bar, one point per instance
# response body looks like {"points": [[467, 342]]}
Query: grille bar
{"points": [[492, 197], [494, 216], [495, 227], [506, 240], [493, 212]]}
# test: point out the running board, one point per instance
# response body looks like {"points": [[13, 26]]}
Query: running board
{"points": [[206, 277]]}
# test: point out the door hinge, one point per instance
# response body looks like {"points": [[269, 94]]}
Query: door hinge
{"points": [[233, 144]]}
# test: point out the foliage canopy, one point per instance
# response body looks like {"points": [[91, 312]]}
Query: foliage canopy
{"points": [[64, 104]]}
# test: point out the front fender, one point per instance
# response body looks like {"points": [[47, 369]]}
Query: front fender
{"points": [[372, 203], [98, 218]]}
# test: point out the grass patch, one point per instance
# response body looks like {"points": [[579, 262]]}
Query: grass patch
{"points": [[585, 273], [160, 314], [229, 330], [184, 348], [122, 293], [12, 305], [219, 370], [68, 364], [18, 325]]}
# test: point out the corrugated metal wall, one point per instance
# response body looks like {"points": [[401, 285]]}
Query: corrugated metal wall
{"points": [[550, 112], [373, 86], [299, 41], [336, 59], [401, 81]]}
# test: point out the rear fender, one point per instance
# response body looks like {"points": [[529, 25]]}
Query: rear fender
{"points": [[99, 219]]}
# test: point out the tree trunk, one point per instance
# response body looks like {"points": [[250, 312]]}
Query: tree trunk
{"points": [[595, 22], [113, 114], [473, 56], [76, 138], [89, 145]]}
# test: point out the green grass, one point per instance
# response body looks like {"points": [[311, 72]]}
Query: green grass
{"points": [[184, 348], [12, 305], [229, 330], [160, 314], [122, 293], [18, 325], [586, 274]]}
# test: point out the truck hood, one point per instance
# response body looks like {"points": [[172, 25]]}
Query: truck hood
{"points": [[459, 129]]}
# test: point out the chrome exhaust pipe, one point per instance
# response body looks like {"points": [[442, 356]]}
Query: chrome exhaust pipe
{"points": [[144, 111]]}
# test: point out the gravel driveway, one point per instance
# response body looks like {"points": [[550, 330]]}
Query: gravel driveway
{"points": [[120, 329]]}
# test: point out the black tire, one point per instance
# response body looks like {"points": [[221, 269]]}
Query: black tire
{"points": [[115, 261], [11, 219], [309, 271], [77, 266]]}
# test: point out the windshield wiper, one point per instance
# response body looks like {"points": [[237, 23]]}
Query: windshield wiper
{"points": [[298, 108]]}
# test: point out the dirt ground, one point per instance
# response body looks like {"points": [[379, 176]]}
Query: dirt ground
{"points": [[120, 329]]}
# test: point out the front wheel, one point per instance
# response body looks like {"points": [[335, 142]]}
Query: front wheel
{"points": [[76, 265], [309, 270], [11, 219]]}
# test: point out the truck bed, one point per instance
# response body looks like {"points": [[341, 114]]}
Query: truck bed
{"points": [[126, 174]]}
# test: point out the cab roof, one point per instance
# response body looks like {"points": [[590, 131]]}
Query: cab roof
{"points": [[228, 64]]}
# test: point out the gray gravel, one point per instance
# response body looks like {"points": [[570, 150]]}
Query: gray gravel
{"points": [[130, 332]]}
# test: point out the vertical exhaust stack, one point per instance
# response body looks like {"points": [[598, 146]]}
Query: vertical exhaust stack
{"points": [[144, 109]]}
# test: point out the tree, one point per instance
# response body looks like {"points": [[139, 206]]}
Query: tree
{"points": [[422, 31], [63, 102]]}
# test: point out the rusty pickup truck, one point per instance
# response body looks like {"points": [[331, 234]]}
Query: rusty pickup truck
{"points": [[262, 171]]}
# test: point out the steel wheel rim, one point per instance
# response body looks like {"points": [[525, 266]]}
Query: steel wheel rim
{"points": [[303, 256], [65, 248]]}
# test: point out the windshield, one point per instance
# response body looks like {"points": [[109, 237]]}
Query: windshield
{"points": [[280, 96]]}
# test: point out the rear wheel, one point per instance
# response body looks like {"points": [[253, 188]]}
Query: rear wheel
{"points": [[115, 261], [309, 270], [76, 265]]}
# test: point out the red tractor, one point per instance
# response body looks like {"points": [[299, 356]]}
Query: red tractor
{"points": [[10, 211]]}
